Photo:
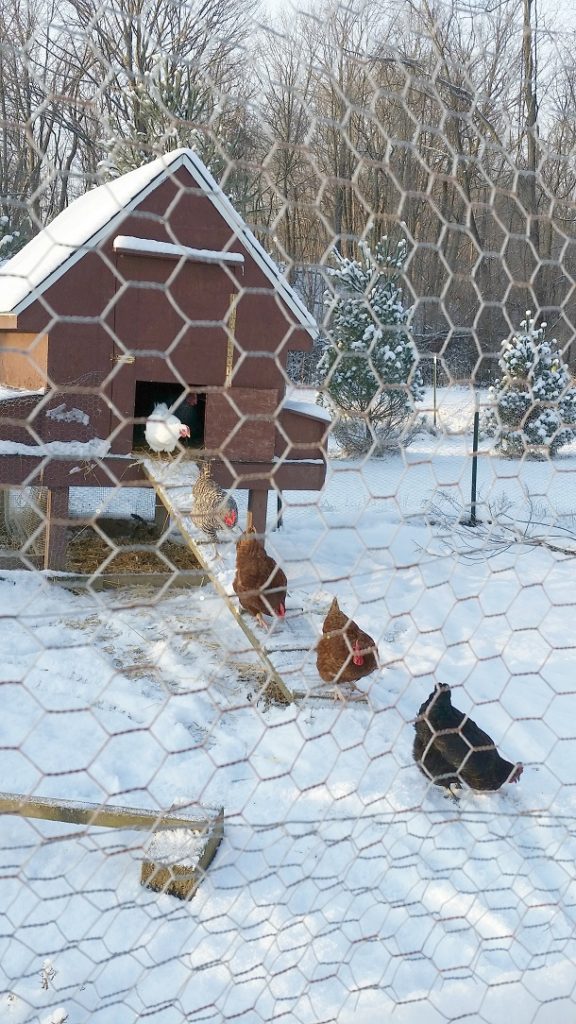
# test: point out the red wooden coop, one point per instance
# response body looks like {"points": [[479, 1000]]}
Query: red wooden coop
{"points": [[150, 289]]}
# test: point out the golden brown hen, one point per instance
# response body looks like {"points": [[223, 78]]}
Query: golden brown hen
{"points": [[344, 653], [259, 582]]}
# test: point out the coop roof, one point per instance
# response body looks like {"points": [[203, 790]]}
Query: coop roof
{"points": [[92, 217]]}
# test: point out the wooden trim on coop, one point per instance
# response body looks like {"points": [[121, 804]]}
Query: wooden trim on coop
{"points": [[43, 470]]}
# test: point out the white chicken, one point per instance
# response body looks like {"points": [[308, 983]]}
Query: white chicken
{"points": [[164, 430]]}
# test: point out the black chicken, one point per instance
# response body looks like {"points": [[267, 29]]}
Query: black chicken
{"points": [[450, 748]]}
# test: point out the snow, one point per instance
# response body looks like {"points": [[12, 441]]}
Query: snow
{"points": [[9, 394], [96, 448], [150, 247], [345, 888], [316, 412], [63, 415], [175, 846]]}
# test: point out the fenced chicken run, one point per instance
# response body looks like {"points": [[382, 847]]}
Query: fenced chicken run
{"points": [[287, 463]]}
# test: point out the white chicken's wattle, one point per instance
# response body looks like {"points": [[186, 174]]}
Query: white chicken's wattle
{"points": [[164, 430]]}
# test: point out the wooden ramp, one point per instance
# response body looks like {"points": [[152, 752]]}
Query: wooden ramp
{"points": [[287, 651]]}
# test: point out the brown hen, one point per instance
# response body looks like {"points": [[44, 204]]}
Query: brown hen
{"points": [[259, 582], [344, 653]]}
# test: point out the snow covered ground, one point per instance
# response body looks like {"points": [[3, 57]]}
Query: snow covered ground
{"points": [[345, 889]]}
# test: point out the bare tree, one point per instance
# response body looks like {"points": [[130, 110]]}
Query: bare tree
{"points": [[162, 73]]}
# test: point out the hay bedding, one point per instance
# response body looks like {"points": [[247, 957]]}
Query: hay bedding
{"points": [[88, 551]]}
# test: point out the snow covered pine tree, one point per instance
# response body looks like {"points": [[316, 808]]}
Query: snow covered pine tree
{"points": [[370, 368], [534, 402]]}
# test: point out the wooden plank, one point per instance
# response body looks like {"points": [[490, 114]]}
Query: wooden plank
{"points": [[56, 529], [75, 812], [263, 476], [179, 580], [276, 687], [180, 879], [46, 471], [257, 509], [240, 421]]}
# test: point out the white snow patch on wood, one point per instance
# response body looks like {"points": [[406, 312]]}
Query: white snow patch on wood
{"points": [[315, 412], [98, 447], [64, 415], [152, 247]]}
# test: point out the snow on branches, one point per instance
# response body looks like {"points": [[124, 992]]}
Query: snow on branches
{"points": [[534, 402], [370, 368]]}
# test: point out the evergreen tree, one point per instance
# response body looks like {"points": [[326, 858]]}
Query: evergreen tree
{"points": [[534, 401], [370, 370], [11, 239]]}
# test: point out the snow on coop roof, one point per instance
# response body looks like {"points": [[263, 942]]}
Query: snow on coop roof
{"points": [[92, 217], [150, 247], [314, 412]]}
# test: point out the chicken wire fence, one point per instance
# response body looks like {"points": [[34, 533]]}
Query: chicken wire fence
{"points": [[287, 456]]}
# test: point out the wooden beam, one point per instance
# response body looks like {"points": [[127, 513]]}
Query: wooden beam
{"points": [[257, 510], [45, 471], [56, 529], [179, 580], [161, 873], [8, 321], [75, 812], [264, 476]]}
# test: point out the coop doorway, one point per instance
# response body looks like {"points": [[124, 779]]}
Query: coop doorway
{"points": [[188, 406]]}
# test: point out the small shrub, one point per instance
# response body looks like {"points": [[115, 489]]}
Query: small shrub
{"points": [[370, 368], [534, 402]]}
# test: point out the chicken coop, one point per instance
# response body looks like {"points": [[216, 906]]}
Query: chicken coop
{"points": [[149, 289]]}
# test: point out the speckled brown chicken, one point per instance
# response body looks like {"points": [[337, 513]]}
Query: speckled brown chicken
{"points": [[449, 748], [212, 507], [344, 653], [259, 582]]}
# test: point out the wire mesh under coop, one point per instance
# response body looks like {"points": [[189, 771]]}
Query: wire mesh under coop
{"points": [[112, 531]]}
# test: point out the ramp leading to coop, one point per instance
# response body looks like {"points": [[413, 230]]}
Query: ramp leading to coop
{"points": [[289, 651], [173, 485]]}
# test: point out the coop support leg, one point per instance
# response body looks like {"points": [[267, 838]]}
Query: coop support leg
{"points": [[257, 508], [279, 511], [57, 522], [160, 517]]}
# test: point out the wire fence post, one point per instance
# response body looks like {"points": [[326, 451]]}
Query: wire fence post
{"points": [[473, 490], [435, 384]]}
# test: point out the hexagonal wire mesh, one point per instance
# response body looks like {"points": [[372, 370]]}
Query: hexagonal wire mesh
{"points": [[266, 283]]}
